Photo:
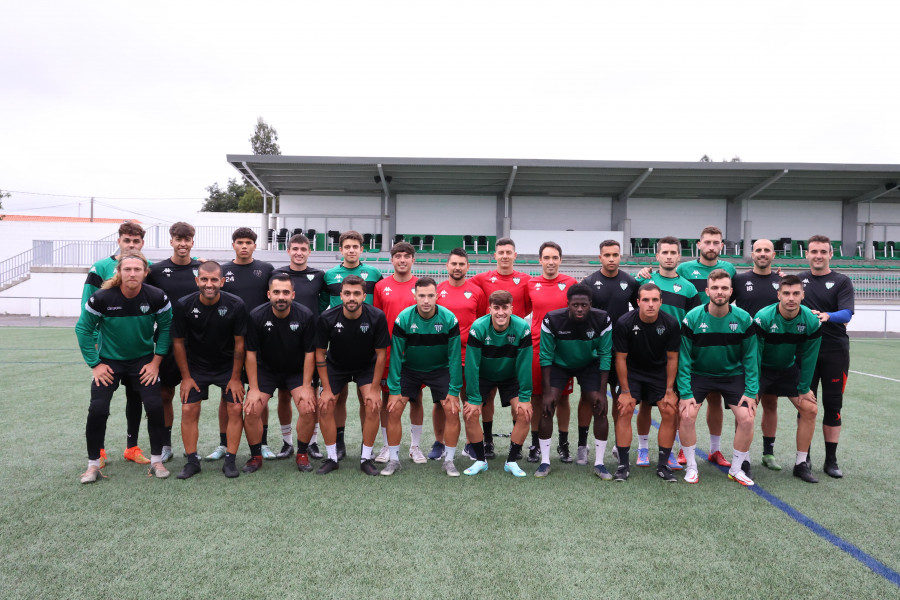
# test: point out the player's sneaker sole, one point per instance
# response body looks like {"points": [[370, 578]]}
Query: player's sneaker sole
{"points": [[741, 478]]}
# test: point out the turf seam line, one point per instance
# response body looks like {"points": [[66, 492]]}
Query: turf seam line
{"points": [[875, 376]]}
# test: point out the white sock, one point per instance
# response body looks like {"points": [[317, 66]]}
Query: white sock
{"points": [[450, 454], [415, 434], [287, 435], [384, 436], [737, 460], [366, 453], [94, 463], [714, 441], [545, 451], [801, 457], [689, 455], [599, 451], [643, 442], [331, 450], [155, 458], [315, 436], [395, 452]]}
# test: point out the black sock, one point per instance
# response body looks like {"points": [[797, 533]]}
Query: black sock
{"points": [[478, 447], [255, 449], [488, 428], [130, 440], [168, 438], [535, 440], [563, 438], [265, 436], [229, 457], [769, 445], [830, 451], [340, 436], [302, 447], [664, 454], [582, 435], [223, 439], [193, 458], [515, 451], [623, 455]]}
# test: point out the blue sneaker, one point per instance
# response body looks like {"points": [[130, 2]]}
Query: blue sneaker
{"points": [[514, 468], [601, 472], [437, 451], [477, 467], [543, 470], [643, 459], [674, 464], [469, 451]]}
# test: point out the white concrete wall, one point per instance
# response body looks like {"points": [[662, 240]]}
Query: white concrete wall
{"points": [[544, 212], [324, 213], [774, 219], [654, 218], [18, 235], [49, 293], [446, 214], [871, 212]]}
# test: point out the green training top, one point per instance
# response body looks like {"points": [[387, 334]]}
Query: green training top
{"points": [[697, 273], [718, 347], [574, 345], [113, 327], [497, 357], [101, 270], [783, 342], [335, 275], [678, 294], [426, 345]]}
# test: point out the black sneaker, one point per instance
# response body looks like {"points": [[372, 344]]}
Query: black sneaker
{"points": [[341, 451], [805, 473], [327, 467], [230, 469], [368, 467], [286, 450], [665, 473], [832, 469], [489, 449], [534, 454], [564, 454], [189, 470], [745, 467], [622, 473], [313, 451]]}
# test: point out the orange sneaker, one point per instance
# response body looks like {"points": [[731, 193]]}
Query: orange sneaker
{"points": [[682, 459], [716, 458], [102, 457], [134, 454]]}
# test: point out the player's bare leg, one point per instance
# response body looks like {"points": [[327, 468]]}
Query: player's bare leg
{"points": [[167, 394], [687, 431], [715, 416], [395, 407]]}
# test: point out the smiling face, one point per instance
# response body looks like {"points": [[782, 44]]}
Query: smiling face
{"points": [[352, 297], [182, 246], [819, 256], [281, 294], [299, 254], [403, 262], [550, 260], [763, 253], [209, 282], [500, 314]]}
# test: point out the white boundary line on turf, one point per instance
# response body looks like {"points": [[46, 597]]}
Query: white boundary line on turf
{"points": [[875, 376]]}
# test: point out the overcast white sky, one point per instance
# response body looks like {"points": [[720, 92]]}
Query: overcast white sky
{"points": [[124, 100]]}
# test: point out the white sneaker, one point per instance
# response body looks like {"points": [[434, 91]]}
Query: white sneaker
{"points": [[741, 478], [581, 455], [392, 467], [267, 453], [691, 475], [217, 454], [384, 455], [416, 455], [166, 455], [450, 468]]}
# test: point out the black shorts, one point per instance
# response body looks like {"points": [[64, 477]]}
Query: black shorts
{"points": [[646, 390], [613, 379], [411, 383], [204, 380], [731, 388], [588, 377], [780, 382], [339, 379], [507, 390], [169, 373], [268, 381]]}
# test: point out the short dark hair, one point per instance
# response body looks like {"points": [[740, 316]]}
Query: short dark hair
{"points": [[824, 239], [182, 229], [711, 230], [425, 282], [131, 228], [606, 243], [210, 266], [649, 287], [298, 238], [789, 280], [500, 298], [403, 247], [281, 277], [350, 234], [719, 274], [505, 241], [243, 233], [579, 289], [353, 280], [546, 245], [669, 239], [459, 252]]}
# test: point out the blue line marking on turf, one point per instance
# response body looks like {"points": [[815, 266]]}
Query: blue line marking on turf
{"points": [[878, 567]]}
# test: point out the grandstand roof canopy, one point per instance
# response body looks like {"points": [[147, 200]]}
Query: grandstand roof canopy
{"points": [[331, 175]]}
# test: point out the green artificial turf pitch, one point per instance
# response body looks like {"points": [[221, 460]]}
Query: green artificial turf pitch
{"points": [[279, 533]]}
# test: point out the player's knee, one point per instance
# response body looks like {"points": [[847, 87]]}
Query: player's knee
{"points": [[807, 411], [666, 411], [832, 417]]}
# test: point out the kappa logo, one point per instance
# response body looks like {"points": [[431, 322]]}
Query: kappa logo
{"points": [[676, 287], [387, 290], [413, 327], [758, 321], [703, 326], [467, 295], [438, 327], [223, 311], [93, 269], [493, 280], [294, 325], [91, 299], [773, 328], [196, 311], [338, 326], [268, 325], [229, 274], [733, 326], [364, 327], [338, 278], [511, 339], [829, 285], [805, 281], [749, 286], [537, 287], [636, 329], [443, 293], [801, 328], [598, 283], [695, 273], [145, 307], [660, 330], [561, 286], [167, 271], [623, 285], [516, 280], [310, 277]]}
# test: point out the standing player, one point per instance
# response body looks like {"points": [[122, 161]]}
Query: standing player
{"points": [[615, 292], [115, 334], [310, 291], [789, 339], [753, 291], [392, 295], [426, 351], [678, 297], [280, 345], [830, 296], [576, 341], [131, 240], [647, 341], [718, 354], [467, 302], [208, 340], [176, 276], [498, 355], [547, 292], [355, 335]]}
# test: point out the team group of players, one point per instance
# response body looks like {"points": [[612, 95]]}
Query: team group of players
{"points": [[672, 338]]}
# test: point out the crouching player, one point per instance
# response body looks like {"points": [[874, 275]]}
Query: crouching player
{"points": [[498, 355]]}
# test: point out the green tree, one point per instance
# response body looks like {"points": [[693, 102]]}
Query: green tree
{"points": [[2, 196], [227, 200], [265, 139]]}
